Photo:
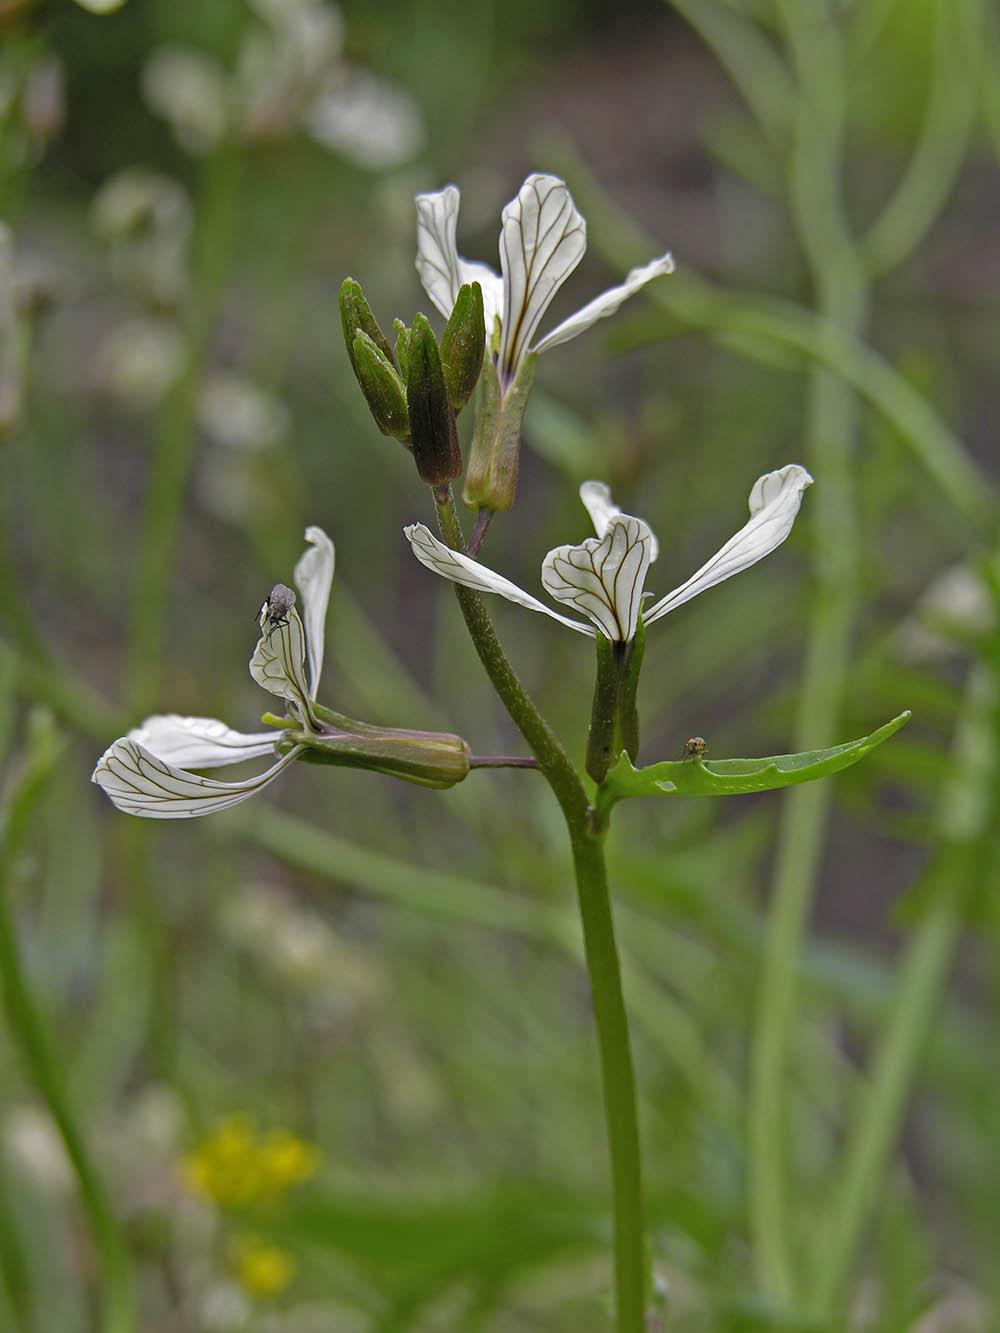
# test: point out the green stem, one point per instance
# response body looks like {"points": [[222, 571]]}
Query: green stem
{"points": [[30, 1030], [617, 1077], [841, 294], [604, 970], [14, 1267], [175, 435]]}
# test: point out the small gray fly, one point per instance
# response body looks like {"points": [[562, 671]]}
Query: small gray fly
{"points": [[275, 610]]}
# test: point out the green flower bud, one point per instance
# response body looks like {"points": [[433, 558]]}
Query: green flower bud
{"points": [[433, 433], [463, 344], [382, 386], [491, 480], [355, 314]]}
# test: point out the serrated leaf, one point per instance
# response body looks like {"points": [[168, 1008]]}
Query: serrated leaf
{"points": [[735, 777]]}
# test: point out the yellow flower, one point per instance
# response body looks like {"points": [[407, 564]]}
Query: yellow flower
{"points": [[265, 1270], [285, 1160], [235, 1167]]}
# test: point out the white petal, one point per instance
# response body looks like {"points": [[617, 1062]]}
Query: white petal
{"points": [[200, 742], [140, 784], [470, 574], [442, 270], [605, 304], [279, 661], [603, 576], [597, 501], [314, 578], [542, 240], [774, 503]]}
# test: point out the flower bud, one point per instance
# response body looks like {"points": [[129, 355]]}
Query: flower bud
{"points": [[463, 345], [382, 387], [491, 480], [433, 433], [355, 314]]}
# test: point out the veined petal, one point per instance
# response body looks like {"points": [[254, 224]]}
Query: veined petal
{"points": [[542, 239], [603, 576], [605, 304], [279, 662], [434, 555], [774, 503], [140, 784], [199, 742], [442, 270], [314, 578], [597, 501]]}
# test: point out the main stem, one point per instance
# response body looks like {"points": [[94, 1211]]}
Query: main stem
{"points": [[603, 967]]}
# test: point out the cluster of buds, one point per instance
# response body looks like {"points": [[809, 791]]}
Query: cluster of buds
{"points": [[416, 390]]}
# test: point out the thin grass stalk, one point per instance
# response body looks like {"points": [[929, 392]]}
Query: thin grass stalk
{"points": [[31, 1033], [966, 821], [832, 420], [173, 444]]}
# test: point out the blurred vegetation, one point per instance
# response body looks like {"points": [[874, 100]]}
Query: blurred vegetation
{"points": [[391, 978]]}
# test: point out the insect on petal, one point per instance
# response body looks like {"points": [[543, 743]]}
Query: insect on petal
{"points": [[279, 662]]}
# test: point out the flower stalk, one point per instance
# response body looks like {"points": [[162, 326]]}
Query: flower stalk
{"points": [[600, 947]]}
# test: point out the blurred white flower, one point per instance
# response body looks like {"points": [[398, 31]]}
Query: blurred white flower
{"points": [[32, 1146], [139, 360], [289, 72], [237, 414], [146, 220], [954, 607], [101, 6], [603, 576], [190, 90], [372, 123], [282, 63]]}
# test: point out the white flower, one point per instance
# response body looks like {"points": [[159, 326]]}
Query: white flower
{"points": [[146, 772], [542, 239], [603, 576]]}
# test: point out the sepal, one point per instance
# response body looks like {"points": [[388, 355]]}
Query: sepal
{"points": [[491, 479]]}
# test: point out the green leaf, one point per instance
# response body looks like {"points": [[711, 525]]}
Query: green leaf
{"points": [[735, 777]]}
